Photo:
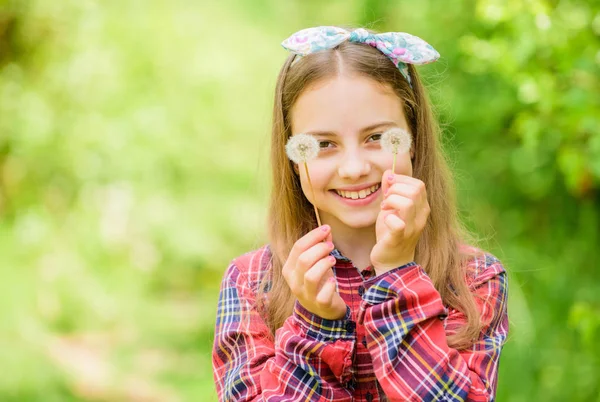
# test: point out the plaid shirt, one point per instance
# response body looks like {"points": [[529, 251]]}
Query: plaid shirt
{"points": [[391, 343]]}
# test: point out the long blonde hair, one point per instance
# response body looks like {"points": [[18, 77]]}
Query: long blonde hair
{"points": [[291, 215]]}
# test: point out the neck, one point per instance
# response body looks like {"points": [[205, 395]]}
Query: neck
{"points": [[355, 244]]}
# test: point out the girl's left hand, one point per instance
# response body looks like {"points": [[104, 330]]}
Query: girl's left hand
{"points": [[402, 218]]}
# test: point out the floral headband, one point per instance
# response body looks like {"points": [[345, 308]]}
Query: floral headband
{"points": [[401, 48]]}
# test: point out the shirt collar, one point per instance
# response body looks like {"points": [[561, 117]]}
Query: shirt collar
{"points": [[338, 256]]}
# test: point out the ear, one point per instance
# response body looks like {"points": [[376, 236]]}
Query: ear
{"points": [[296, 170]]}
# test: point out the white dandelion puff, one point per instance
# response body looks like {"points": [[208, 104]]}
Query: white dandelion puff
{"points": [[396, 141], [301, 148]]}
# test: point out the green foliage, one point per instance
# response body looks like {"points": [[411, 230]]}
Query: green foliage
{"points": [[133, 146]]}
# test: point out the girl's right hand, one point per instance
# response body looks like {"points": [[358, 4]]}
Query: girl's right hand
{"points": [[310, 278]]}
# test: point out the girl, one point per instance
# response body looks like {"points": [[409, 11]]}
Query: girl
{"points": [[386, 299]]}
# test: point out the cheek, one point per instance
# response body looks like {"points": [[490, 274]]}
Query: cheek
{"points": [[320, 173], [386, 160], [404, 165]]}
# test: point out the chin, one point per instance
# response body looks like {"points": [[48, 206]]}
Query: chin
{"points": [[359, 223]]}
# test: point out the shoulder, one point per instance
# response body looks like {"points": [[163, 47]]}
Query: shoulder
{"points": [[480, 265], [249, 269]]}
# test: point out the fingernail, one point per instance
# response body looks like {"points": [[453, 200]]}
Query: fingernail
{"points": [[390, 177], [331, 259], [331, 279], [329, 244], [325, 228]]}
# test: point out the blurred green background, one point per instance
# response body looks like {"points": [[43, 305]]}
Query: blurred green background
{"points": [[134, 166]]}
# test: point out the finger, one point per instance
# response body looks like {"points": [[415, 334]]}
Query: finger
{"points": [[308, 240], [309, 258], [425, 211], [315, 277], [383, 214], [418, 189], [402, 178], [387, 179], [418, 212], [402, 206], [405, 189], [325, 296], [397, 228], [312, 238]]}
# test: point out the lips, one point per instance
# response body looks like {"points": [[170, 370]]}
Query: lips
{"points": [[358, 195]]}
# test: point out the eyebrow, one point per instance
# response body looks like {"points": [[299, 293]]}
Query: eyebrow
{"points": [[362, 131]]}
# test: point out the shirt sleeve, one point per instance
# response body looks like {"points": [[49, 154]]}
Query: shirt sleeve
{"points": [[310, 358], [407, 324]]}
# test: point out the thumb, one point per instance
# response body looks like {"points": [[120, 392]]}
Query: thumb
{"points": [[386, 182]]}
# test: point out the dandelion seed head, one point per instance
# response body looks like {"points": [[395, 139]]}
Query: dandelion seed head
{"points": [[301, 148], [396, 140]]}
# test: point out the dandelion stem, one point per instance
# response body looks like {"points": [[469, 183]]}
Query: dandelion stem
{"points": [[394, 164], [313, 194]]}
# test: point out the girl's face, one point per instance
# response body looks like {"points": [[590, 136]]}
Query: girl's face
{"points": [[347, 115]]}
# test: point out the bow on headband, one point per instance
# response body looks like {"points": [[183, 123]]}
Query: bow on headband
{"points": [[401, 48]]}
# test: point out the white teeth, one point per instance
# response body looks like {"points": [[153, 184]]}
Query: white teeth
{"points": [[354, 195]]}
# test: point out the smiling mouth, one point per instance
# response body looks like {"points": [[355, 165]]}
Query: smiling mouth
{"points": [[358, 195]]}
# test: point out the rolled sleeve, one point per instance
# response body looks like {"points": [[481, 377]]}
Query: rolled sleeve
{"points": [[322, 329]]}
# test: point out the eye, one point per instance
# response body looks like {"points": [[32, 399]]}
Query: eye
{"points": [[325, 144], [374, 137]]}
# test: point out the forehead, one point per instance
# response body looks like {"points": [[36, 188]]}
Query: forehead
{"points": [[345, 105]]}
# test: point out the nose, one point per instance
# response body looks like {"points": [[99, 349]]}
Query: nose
{"points": [[353, 165]]}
